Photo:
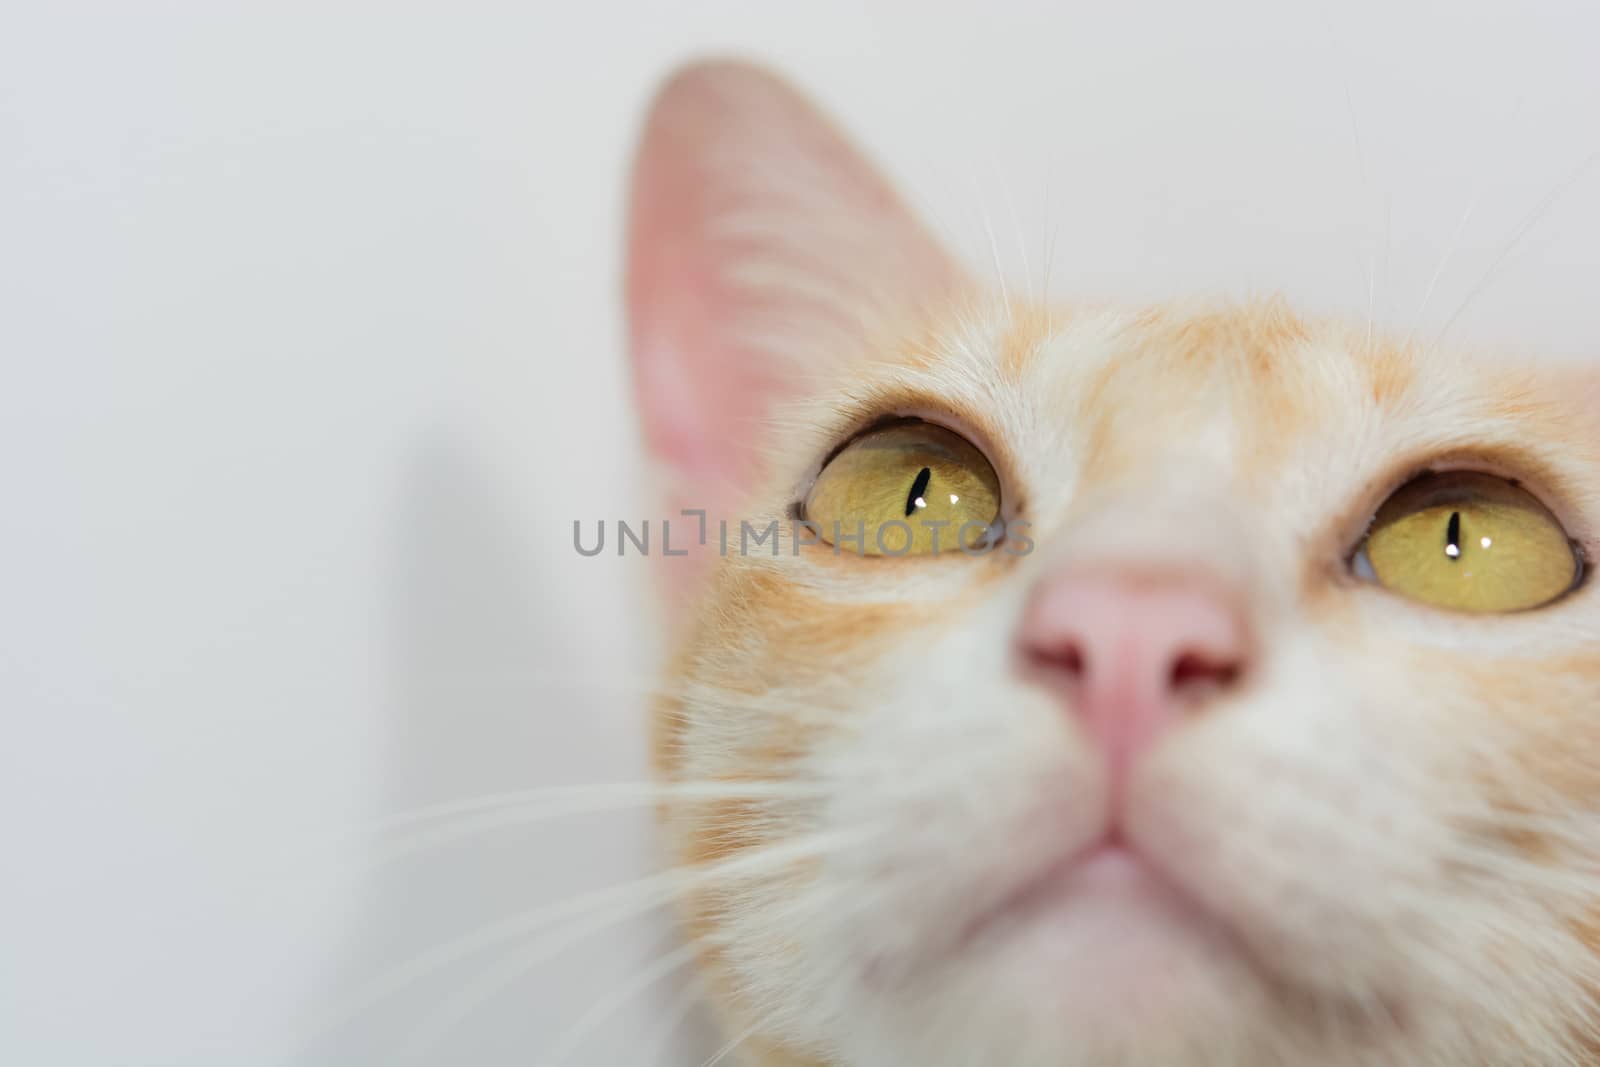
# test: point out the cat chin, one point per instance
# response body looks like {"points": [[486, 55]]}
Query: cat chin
{"points": [[1104, 938], [1108, 908], [1123, 975], [1102, 960]]}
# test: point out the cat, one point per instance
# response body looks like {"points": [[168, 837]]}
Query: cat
{"points": [[1256, 721]]}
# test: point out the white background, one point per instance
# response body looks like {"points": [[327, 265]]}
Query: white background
{"points": [[310, 336]]}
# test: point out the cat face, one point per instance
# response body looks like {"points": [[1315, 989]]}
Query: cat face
{"points": [[1189, 762]]}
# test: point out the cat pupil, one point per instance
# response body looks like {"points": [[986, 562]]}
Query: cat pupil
{"points": [[1452, 536], [914, 498]]}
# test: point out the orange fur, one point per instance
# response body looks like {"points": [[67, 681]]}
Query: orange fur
{"points": [[1397, 823]]}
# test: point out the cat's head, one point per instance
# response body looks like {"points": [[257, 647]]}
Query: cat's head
{"points": [[1254, 718]]}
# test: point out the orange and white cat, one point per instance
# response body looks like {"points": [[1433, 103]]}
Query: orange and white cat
{"points": [[1257, 722]]}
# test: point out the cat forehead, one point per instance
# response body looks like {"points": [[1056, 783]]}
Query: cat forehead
{"points": [[1160, 373], [1216, 394], [1242, 394]]}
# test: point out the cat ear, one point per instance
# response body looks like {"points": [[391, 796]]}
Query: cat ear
{"points": [[763, 252]]}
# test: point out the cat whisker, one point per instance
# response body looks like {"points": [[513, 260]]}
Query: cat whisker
{"points": [[1454, 244], [860, 898], [467, 816], [1051, 234], [488, 816], [539, 805], [632, 898], [644, 685], [733, 1043], [761, 862], [654, 1047], [531, 806], [464, 1000], [1016, 226], [994, 245], [604, 796], [1540, 210], [756, 863], [607, 1006]]}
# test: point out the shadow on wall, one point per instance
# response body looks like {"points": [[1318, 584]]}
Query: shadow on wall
{"points": [[514, 672]]}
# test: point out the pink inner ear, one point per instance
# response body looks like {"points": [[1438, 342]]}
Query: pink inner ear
{"points": [[698, 395], [724, 144]]}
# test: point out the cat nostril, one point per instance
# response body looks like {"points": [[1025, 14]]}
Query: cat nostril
{"points": [[1197, 672], [1067, 659]]}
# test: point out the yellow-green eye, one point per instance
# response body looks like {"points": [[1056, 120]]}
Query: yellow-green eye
{"points": [[907, 489], [1469, 542]]}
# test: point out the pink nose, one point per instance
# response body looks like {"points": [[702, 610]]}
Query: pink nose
{"points": [[1132, 654]]}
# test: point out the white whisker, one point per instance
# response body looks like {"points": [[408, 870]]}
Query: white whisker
{"points": [[1016, 226], [994, 245], [738, 1039], [1534, 217], [811, 907], [604, 1008], [652, 1048], [623, 901]]}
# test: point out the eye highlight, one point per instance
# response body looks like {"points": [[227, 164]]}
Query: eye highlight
{"points": [[908, 489], [1469, 542]]}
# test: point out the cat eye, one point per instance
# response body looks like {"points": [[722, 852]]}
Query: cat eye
{"points": [[1469, 542], [912, 488]]}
